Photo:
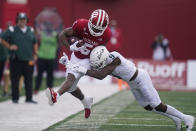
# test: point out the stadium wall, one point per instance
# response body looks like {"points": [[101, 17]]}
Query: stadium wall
{"points": [[139, 21]]}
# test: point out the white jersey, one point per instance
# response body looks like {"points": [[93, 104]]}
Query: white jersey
{"points": [[125, 70], [141, 87]]}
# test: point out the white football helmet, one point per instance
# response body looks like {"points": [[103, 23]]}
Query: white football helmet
{"points": [[98, 22], [98, 57]]}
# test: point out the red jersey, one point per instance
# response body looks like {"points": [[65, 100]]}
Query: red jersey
{"points": [[81, 28]]}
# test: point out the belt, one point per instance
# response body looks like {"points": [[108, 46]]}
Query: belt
{"points": [[134, 75]]}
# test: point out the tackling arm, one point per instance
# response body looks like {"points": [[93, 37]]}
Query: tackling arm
{"points": [[105, 71]]}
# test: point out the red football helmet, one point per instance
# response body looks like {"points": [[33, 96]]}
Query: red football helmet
{"points": [[98, 22]]}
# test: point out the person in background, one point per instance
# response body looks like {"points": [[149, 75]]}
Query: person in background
{"points": [[115, 42], [161, 50], [20, 40], [47, 54], [3, 58]]}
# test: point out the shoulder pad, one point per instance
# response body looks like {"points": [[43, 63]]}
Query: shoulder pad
{"points": [[115, 53], [11, 28]]}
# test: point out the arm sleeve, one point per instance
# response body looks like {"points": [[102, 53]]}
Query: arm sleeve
{"points": [[112, 56]]}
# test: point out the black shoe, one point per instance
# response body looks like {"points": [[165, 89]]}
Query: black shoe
{"points": [[15, 101], [31, 102]]}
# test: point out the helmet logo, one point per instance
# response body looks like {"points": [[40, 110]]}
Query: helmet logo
{"points": [[100, 54]]}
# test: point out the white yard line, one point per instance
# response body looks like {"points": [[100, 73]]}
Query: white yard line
{"points": [[78, 126], [145, 125], [145, 119]]}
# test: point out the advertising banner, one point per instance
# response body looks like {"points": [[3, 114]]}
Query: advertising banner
{"points": [[165, 73]]}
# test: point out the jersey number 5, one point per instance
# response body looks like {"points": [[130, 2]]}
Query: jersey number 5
{"points": [[85, 50]]}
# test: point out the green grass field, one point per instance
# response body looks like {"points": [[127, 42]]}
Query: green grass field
{"points": [[121, 113]]}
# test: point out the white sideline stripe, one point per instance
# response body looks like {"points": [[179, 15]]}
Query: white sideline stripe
{"points": [[146, 119], [112, 124], [147, 125], [105, 119]]}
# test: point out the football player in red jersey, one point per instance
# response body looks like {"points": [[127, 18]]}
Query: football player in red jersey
{"points": [[91, 33]]}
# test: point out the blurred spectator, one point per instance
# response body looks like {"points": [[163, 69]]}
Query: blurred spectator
{"points": [[3, 58], [21, 42], [46, 56], [115, 42], [161, 50], [52, 16]]}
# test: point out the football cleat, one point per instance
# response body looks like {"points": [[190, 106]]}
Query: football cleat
{"points": [[189, 122], [52, 96], [87, 102], [87, 113]]}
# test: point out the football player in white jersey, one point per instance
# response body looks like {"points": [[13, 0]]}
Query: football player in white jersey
{"points": [[115, 64]]}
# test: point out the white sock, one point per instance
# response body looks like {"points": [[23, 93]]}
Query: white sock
{"points": [[83, 101], [174, 112], [167, 115], [57, 96]]}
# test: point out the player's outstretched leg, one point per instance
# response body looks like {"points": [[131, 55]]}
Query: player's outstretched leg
{"points": [[189, 122], [51, 95], [188, 119], [87, 102], [161, 109], [176, 120]]}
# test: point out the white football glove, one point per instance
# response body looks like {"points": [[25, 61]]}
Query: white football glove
{"points": [[64, 59], [76, 68], [73, 47]]}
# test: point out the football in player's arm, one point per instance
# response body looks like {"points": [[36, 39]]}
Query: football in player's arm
{"points": [[115, 64], [64, 38]]}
